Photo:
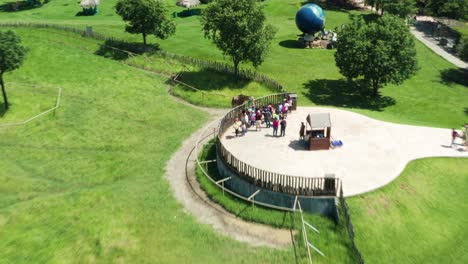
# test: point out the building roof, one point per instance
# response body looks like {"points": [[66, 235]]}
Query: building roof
{"points": [[319, 120]]}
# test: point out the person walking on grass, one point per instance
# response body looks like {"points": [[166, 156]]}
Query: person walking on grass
{"points": [[283, 127], [275, 127]]}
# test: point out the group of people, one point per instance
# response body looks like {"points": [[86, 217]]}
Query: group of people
{"points": [[270, 115], [463, 135]]}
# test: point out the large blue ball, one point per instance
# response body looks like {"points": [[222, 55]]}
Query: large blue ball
{"points": [[310, 18]]}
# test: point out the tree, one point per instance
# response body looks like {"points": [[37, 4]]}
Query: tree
{"points": [[456, 9], [377, 4], [237, 29], [381, 51], [145, 17], [12, 55], [401, 8]]}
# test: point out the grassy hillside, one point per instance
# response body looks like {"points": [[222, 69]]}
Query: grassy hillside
{"points": [[86, 185], [421, 217], [435, 96]]}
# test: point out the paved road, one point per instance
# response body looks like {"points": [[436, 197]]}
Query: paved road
{"points": [[440, 51], [420, 36]]}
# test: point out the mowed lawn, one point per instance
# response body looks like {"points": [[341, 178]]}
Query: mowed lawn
{"points": [[86, 185], [421, 217], [435, 96]]}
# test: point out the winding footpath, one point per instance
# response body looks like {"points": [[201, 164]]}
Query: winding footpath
{"points": [[183, 182]]}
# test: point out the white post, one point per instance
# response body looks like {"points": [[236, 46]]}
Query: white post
{"points": [[304, 233]]}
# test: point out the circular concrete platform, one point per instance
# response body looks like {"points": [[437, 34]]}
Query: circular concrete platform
{"points": [[374, 152]]}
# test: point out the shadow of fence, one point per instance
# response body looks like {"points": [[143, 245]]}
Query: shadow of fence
{"points": [[350, 227]]}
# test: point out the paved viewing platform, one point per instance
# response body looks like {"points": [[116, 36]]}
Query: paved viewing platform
{"points": [[373, 152]]}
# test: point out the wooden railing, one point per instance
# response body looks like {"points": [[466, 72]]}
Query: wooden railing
{"points": [[270, 180], [296, 185]]}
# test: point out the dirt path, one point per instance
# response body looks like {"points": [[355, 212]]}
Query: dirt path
{"points": [[187, 191]]}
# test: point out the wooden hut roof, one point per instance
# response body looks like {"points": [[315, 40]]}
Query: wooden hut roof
{"points": [[319, 120]]}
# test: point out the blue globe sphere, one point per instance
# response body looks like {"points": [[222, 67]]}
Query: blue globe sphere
{"points": [[310, 18]]}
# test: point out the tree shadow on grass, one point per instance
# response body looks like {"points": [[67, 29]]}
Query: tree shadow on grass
{"points": [[121, 50], [209, 80], [189, 12], [2, 109], [457, 76], [18, 6], [341, 93], [84, 13], [290, 44]]}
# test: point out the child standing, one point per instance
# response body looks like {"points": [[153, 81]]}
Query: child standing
{"points": [[275, 127], [283, 127]]}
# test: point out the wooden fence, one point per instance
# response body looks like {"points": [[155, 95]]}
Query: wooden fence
{"points": [[278, 182], [127, 46], [273, 181]]}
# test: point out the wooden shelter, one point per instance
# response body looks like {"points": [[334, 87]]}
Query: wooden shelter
{"points": [[318, 131]]}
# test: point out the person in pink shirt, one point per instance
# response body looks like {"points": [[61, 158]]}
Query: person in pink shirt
{"points": [[275, 127]]}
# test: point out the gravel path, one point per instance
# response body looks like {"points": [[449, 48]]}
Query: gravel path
{"points": [[180, 172]]}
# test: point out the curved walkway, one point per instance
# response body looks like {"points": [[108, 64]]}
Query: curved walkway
{"points": [[187, 191], [421, 37], [374, 152], [438, 50]]}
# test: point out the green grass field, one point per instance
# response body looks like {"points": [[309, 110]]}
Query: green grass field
{"points": [[311, 73], [27, 102], [86, 184], [421, 217]]}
